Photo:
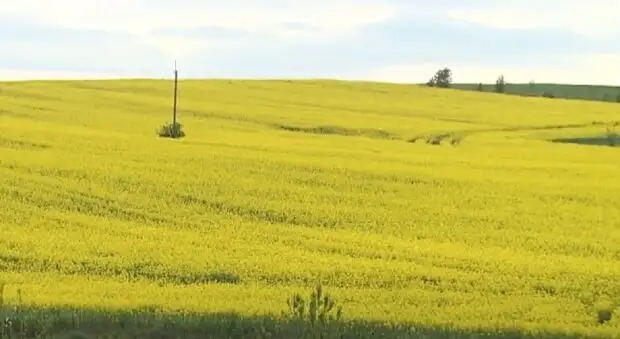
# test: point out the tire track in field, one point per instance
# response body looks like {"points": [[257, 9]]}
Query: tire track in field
{"points": [[4, 112], [72, 201], [44, 195], [247, 212], [21, 144], [163, 274], [130, 88], [100, 268]]}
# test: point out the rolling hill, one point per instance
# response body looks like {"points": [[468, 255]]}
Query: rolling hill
{"points": [[444, 213]]}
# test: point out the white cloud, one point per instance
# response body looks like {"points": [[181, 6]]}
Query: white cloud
{"points": [[26, 74], [140, 17], [584, 69], [173, 46], [334, 18], [584, 17]]}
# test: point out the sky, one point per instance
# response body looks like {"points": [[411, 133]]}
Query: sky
{"points": [[406, 41]]}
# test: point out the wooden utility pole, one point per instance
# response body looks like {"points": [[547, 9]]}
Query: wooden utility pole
{"points": [[174, 107]]}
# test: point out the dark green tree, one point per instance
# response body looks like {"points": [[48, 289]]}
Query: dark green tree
{"points": [[480, 88], [442, 78], [500, 84], [532, 86]]}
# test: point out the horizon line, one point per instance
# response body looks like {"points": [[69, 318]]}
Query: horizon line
{"points": [[292, 79]]}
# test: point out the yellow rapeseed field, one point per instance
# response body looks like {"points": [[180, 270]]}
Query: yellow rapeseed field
{"points": [[281, 185]]}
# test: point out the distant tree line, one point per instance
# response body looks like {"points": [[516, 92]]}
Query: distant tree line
{"points": [[443, 79]]}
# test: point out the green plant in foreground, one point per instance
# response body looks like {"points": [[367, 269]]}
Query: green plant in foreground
{"points": [[5, 322], [2, 286], [318, 309], [169, 130]]}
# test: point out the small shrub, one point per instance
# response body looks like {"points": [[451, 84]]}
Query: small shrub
{"points": [[604, 316], [604, 311], [171, 131]]}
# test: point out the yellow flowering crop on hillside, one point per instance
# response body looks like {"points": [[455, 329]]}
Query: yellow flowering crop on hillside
{"points": [[280, 185]]}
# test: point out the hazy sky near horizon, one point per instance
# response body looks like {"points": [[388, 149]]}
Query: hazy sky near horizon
{"points": [[567, 41]]}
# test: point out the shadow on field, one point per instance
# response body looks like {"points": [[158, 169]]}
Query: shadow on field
{"points": [[342, 131], [149, 322], [591, 141]]}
